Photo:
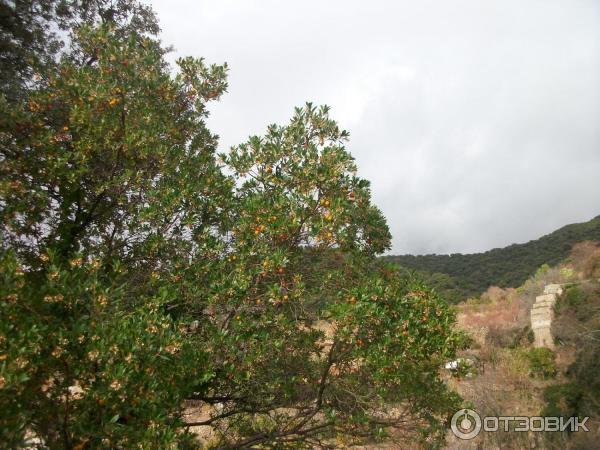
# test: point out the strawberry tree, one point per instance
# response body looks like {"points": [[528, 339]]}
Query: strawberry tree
{"points": [[140, 269], [109, 187], [310, 336]]}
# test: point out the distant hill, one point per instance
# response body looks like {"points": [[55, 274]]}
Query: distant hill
{"points": [[458, 276]]}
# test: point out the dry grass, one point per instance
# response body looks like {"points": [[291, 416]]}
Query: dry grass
{"points": [[499, 312], [504, 386]]}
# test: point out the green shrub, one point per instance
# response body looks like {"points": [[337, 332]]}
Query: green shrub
{"points": [[574, 296], [543, 269], [585, 370], [541, 362], [562, 400], [522, 337], [530, 336]]}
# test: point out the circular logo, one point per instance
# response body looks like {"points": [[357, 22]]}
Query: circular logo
{"points": [[465, 424]]}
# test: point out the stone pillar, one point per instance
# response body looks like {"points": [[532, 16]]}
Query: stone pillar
{"points": [[553, 289], [542, 314]]}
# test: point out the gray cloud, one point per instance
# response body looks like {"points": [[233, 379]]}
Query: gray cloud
{"points": [[477, 122]]}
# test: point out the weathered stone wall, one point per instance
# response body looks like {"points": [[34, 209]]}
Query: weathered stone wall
{"points": [[542, 314]]}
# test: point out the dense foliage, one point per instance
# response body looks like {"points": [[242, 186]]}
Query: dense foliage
{"points": [[33, 33], [140, 269], [542, 362], [577, 324], [458, 276], [576, 327]]}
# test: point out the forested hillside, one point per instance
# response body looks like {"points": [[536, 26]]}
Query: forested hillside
{"points": [[458, 276]]}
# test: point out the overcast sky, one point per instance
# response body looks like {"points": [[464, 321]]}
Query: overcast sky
{"points": [[477, 122]]}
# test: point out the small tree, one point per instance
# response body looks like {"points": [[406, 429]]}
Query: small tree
{"points": [[108, 176], [309, 335]]}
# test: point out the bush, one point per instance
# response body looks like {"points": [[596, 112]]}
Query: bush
{"points": [[522, 337], [585, 371], [581, 300], [510, 337], [574, 296], [562, 400], [542, 362]]}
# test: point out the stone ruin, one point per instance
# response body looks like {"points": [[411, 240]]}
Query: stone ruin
{"points": [[542, 314]]}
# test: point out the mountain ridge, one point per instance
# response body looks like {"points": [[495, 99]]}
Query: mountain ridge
{"points": [[459, 275]]}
